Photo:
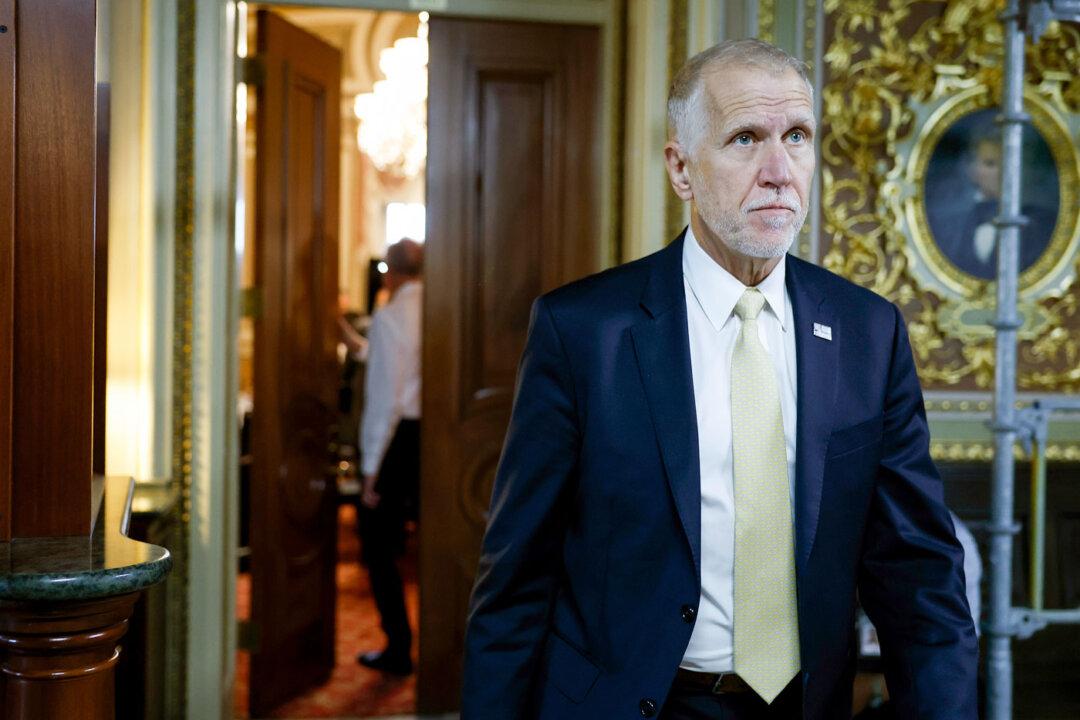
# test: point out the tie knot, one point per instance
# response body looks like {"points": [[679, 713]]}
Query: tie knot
{"points": [[750, 304]]}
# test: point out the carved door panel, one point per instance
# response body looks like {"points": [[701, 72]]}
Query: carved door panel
{"points": [[293, 497], [513, 189]]}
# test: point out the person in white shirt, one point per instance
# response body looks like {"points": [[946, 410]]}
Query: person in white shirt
{"points": [[390, 448]]}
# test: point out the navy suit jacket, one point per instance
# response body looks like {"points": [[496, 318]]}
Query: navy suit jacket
{"points": [[592, 552]]}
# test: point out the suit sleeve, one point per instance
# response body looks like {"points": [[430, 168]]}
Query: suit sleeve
{"points": [[521, 557], [911, 580]]}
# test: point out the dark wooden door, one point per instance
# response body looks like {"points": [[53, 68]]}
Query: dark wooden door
{"points": [[293, 498], [513, 211]]}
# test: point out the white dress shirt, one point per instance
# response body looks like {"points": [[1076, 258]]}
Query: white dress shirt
{"points": [[711, 295], [985, 235], [392, 379]]}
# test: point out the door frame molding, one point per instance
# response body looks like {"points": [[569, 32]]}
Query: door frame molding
{"points": [[210, 496]]}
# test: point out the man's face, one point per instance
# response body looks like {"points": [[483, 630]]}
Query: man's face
{"points": [[751, 170], [985, 168]]}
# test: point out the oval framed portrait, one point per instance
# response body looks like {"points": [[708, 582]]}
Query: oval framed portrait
{"points": [[955, 173]]}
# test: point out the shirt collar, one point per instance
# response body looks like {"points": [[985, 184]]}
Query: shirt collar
{"points": [[717, 290]]}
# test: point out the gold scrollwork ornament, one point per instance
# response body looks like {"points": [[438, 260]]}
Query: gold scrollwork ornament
{"points": [[888, 73]]}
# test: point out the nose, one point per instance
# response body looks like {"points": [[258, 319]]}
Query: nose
{"points": [[775, 170]]}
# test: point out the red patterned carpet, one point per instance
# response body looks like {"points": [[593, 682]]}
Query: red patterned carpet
{"points": [[353, 691]]}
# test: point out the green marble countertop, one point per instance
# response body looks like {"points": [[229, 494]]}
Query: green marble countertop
{"points": [[72, 568]]}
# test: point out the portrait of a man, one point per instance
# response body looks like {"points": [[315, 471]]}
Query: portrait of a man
{"points": [[963, 188]]}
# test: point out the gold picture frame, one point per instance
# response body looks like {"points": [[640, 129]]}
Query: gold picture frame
{"points": [[968, 292]]}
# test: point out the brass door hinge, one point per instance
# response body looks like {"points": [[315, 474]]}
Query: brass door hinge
{"points": [[253, 70], [251, 302], [247, 636]]}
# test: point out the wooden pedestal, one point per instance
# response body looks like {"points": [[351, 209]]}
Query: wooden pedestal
{"points": [[59, 658]]}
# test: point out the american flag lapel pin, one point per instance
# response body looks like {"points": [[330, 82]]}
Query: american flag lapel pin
{"points": [[822, 331]]}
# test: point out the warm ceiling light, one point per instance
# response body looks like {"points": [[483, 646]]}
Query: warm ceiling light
{"points": [[393, 117]]}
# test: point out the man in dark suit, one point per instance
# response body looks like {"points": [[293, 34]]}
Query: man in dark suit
{"points": [[711, 450]]}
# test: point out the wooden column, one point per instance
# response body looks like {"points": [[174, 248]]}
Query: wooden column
{"points": [[7, 255], [101, 275], [46, 405], [59, 659]]}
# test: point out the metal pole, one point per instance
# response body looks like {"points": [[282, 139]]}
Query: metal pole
{"points": [[1037, 540], [1062, 617], [1003, 527]]}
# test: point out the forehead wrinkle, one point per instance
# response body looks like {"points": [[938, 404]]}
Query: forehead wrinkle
{"points": [[756, 104]]}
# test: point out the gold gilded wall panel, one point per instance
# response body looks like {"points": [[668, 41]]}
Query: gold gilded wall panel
{"points": [[899, 75]]}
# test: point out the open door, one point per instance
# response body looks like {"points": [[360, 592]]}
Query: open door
{"points": [[513, 211], [293, 496]]}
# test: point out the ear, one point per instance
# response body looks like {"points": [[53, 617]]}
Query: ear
{"points": [[675, 158]]}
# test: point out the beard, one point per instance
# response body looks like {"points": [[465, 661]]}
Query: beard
{"points": [[735, 230]]}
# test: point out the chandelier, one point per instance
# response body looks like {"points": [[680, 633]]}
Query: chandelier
{"points": [[393, 117]]}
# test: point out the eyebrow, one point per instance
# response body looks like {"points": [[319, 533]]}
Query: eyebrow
{"points": [[804, 121]]}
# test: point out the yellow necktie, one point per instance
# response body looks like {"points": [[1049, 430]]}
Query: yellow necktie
{"points": [[766, 621]]}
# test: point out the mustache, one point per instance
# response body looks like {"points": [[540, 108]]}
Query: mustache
{"points": [[783, 200]]}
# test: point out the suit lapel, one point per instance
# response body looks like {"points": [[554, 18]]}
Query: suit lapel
{"points": [[662, 345], [816, 362]]}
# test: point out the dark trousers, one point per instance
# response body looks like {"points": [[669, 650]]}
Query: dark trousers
{"points": [[382, 533], [685, 702]]}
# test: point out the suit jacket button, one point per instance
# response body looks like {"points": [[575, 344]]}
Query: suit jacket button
{"points": [[688, 613], [647, 707]]}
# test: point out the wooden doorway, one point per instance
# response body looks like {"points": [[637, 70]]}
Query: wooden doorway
{"points": [[513, 179], [293, 496]]}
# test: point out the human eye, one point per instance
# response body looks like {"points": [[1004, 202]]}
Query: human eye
{"points": [[797, 136], [744, 139]]}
